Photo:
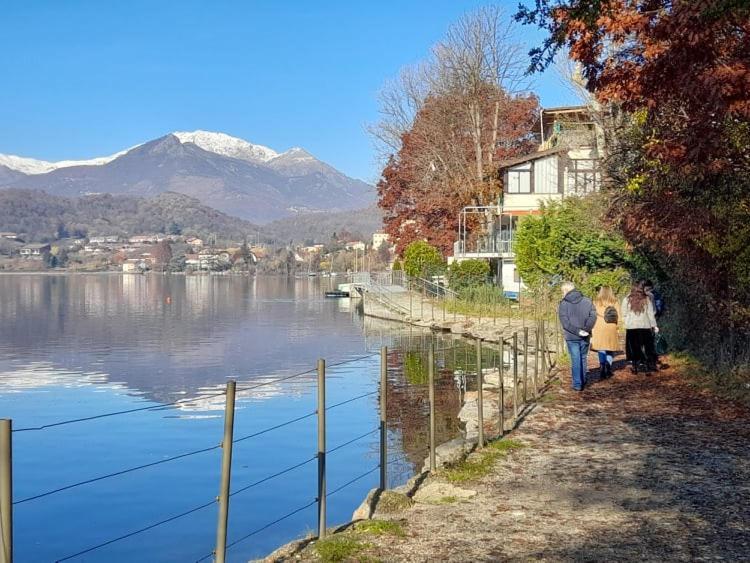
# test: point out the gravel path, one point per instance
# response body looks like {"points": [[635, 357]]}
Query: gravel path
{"points": [[633, 468]]}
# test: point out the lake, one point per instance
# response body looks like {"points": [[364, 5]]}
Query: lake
{"points": [[163, 348]]}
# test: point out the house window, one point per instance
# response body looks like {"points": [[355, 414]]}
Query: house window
{"points": [[583, 177], [546, 180], [519, 179], [516, 276]]}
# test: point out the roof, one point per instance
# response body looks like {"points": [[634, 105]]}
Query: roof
{"points": [[531, 156], [37, 245], [566, 109]]}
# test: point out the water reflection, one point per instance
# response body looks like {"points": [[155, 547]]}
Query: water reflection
{"points": [[73, 346], [167, 336]]}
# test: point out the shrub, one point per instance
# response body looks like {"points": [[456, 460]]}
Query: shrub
{"points": [[468, 273], [422, 260], [568, 240], [618, 279]]}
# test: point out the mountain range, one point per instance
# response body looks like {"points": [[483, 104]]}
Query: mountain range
{"points": [[229, 174]]}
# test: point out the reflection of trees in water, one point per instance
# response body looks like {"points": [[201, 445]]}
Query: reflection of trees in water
{"points": [[408, 392], [169, 335]]}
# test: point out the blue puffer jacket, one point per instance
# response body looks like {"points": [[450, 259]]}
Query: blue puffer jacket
{"points": [[576, 313]]}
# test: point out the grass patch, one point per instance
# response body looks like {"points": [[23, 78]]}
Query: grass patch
{"points": [[447, 500], [504, 446], [733, 385], [548, 397], [481, 465], [391, 502], [380, 528], [339, 548], [488, 310]]}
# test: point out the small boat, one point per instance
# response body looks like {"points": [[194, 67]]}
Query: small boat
{"points": [[337, 294]]}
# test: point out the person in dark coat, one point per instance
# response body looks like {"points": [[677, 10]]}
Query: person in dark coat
{"points": [[577, 317]]}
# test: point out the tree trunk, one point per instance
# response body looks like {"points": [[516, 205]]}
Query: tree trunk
{"points": [[493, 146]]}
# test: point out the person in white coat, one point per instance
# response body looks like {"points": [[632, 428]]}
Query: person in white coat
{"points": [[639, 319]]}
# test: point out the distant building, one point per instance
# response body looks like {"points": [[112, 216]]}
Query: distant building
{"points": [[259, 250], [208, 259], [379, 239], [355, 245], [35, 250], [133, 266], [107, 239], [314, 249], [195, 242], [144, 239], [9, 236], [192, 260]]}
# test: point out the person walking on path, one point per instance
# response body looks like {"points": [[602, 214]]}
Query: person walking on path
{"points": [[605, 339], [639, 318], [656, 298], [577, 317], [658, 302]]}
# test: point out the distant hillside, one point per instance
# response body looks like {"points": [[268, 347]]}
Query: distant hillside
{"points": [[39, 216], [319, 227]]}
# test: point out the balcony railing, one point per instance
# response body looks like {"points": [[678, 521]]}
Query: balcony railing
{"points": [[484, 246]]}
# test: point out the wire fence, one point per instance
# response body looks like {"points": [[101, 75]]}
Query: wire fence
{"points": [[229, 441], [179, 402]]}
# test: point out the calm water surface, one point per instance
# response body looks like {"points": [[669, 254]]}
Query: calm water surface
{"points": [[79, 346]]}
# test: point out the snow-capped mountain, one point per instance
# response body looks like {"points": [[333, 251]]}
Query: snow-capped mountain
{"points": [[34, 166], [226, 145], [230, 174]]}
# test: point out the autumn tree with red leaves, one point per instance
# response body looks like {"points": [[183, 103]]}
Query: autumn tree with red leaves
{"points": [[445, 125], [678, 71]]}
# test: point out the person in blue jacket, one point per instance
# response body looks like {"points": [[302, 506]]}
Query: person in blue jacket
{"points": [[577, 317]]}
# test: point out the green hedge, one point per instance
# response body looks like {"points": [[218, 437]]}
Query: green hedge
{"points": [[468, 273]]}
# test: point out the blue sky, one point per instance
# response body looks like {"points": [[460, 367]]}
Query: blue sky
{"points": [[88, 78]]}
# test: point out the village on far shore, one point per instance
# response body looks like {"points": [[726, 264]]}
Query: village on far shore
{"points": [[177, 253]]}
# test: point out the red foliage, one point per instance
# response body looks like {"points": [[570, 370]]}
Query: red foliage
{"points": [[681, 68], [687, 62], [424, 186]]}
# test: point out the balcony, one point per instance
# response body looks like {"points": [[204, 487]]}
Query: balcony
{"points": [[498, 246]]}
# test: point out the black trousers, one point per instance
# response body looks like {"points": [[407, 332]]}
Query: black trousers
{"points": [[639, 346]]}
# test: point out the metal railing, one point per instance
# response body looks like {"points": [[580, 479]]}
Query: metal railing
{"points": [[496, 364], [389, 277], [499, 246]]}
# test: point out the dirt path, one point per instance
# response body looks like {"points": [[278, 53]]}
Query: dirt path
{"points": [[633, 468]]}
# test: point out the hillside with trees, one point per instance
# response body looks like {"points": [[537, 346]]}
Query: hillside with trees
{"points": [[312, 228], [38, 216]]}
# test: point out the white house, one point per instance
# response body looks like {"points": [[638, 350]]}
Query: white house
{"points": [[195, 242], [144, 239], [134, 266], [566, 164], [379, 239], [37, 250], [108, 239], [355, 245]]}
